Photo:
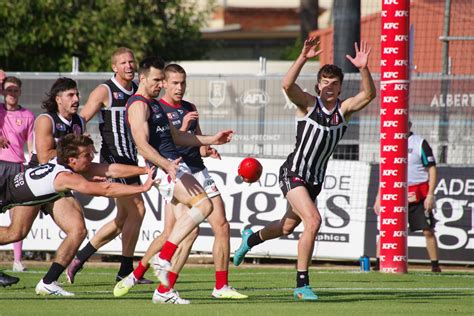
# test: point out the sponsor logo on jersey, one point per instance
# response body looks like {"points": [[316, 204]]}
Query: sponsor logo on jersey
{"points": [[118, 95], [173, 116], [76, 129], [61, 127], [162, 129]]}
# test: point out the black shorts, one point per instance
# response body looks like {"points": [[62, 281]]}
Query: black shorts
{"points": [[107, 157], [8, 168], [289, 180], [417, 220], [7, 171]]}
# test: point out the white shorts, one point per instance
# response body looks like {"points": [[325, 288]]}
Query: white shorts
{"points": [[207, 182], [166, 185]]}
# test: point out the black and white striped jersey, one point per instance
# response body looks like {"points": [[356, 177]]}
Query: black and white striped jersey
{"points": [[35, 186], [116, 137], [61, 127], [317, 135]]}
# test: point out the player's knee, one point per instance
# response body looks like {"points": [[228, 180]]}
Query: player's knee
{"points": [[313, 224], [428, 233], [140, 206], [287, 229], [222, 230], [81, 233], [206, 207], [17, 235], [119, 222], [200, 207]]}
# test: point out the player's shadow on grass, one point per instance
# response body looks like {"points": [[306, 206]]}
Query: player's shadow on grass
{"points": [[92, 284], [184, 281], [420, 297], [370, 281]]}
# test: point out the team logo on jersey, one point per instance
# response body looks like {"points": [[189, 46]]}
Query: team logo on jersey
{"points": [[217, 92], [180, 111], [297, 179], [19, 122], [76, 129], [118, 95], [173, 116], [41, 171], [61, 127]]}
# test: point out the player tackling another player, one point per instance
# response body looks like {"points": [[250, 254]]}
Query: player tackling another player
{"points": [[184, 116]]}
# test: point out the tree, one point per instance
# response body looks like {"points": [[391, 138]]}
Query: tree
{"points": [[309, 13], [43, 35]]}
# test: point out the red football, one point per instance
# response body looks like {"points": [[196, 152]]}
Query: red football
{"points": [[250, 169]]}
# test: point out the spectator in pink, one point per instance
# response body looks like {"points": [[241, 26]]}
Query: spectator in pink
{"points": [[16, 129]]}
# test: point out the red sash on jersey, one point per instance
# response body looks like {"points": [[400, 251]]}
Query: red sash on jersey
{"points": [[417, 192]]}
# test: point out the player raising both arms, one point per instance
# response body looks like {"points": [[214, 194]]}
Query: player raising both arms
{"points": [[321, 123]]}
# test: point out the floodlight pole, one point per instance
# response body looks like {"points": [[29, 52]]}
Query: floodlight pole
{"points": [[443, 111], [75, 65]]}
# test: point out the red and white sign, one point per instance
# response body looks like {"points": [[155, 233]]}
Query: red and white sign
{"points": [[394, 130]]}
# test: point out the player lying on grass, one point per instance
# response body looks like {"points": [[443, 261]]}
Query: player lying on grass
{"points": [[70, 171]]}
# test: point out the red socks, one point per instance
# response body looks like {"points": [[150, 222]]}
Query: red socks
{"points": [[140, 270], [168, 251], [172, 278], [221, 279]]}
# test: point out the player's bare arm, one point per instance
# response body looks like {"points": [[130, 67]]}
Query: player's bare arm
{"points": [[138, 115], [430, 200], [188, 119], [72, 181], [29, 146], [98, 98], [368, 92], [207, 150], [294, 92], [115, 170], [4, 143], [186, 139], [44, 141]]}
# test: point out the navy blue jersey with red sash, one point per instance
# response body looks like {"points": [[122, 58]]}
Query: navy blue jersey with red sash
{"points": [[191, 155]]}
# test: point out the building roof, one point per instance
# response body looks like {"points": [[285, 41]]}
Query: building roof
{"points": [[427, 20]]}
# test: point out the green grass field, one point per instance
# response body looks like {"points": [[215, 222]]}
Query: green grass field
{"points": [[342, 292]]}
